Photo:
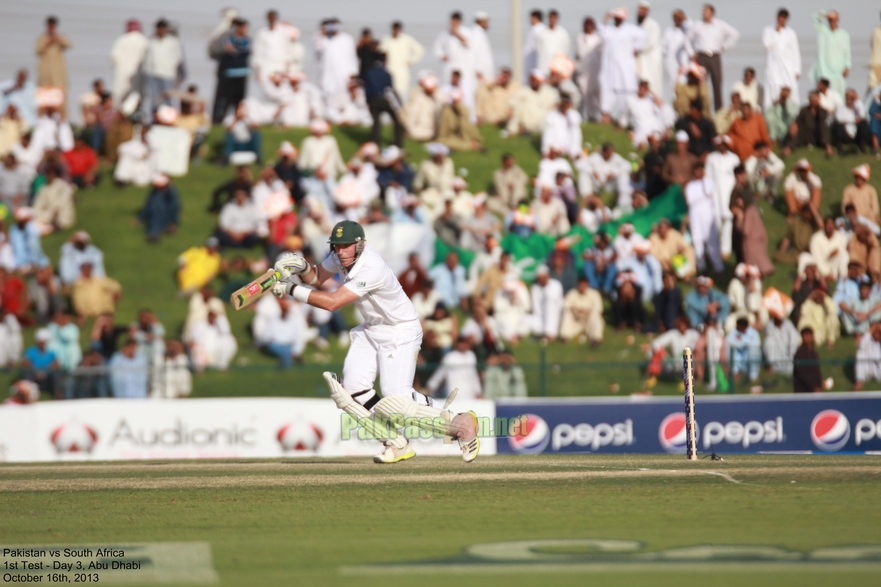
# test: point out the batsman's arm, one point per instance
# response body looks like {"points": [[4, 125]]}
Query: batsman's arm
{"points": [[330, 301]]}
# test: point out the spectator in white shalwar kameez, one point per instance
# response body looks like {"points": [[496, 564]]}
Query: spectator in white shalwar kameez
{"points": [[650, 60], [783, 59], [678, 52], [454, 48], [547, 304], [702, 219], [280, 328], [589, 55], [765, 170], [530, 46], [127, 55], [828, 251], [272, 48], [563, 129], [212, 343], [551, 40], [606, 172], [423, 106], [458, 370], [338, 62], [511, 306], [135, 165], [320, 153], [720, 170], [745, 298], [11, 342], [625, 244], [648, 115], [868, 366], [618, 77], [484, 65], [550, 212], [781, 342], [402, 51], [647, 269], [531, 105]]}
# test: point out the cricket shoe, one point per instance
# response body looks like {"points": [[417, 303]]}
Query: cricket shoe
{"points": [[469, 442], [394, 455]]}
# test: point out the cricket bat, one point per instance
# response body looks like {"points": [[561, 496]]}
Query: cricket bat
{"points": [[255, 290]]}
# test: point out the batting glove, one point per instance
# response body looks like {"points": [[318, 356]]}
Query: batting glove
{"points": [[291, 264], [281, 289]]}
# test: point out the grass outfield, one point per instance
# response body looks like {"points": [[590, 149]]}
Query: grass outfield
{"points": [[434, 521], [146, 272]]}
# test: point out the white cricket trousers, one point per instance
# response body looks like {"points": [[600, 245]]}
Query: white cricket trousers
{"points": [[389, 351]]}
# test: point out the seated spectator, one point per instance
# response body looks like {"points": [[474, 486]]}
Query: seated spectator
{"points": [[726, 115], [563, 270], [105, 336], [7, 257], [583, 315], [521, 221], [848, 286], [594, 214], [702, 220], [455, 129], [503, 378], [600, 264], [242, 134], [705, 301], [82, 163], [652, 166], [161, 211], [509, 183], [24, 236], [606, 172], [24, 392], [411, 212], [463, 200], [12, 129], [562, 129], [46, 295], [135, 164], [200, 303], [679, 165], [851, 219], [547, 305], [765, 171], [818, 312], [850, 126], [531, 105], [64, 341], [781, 343], [479, 228], [493, 278], [874, 119], [422, 109], [647, 269], [78, 250], [668, 304], [665, 351], [93, 296], [198, 266], [780, 115], [864, 249], [804, 285], [149, 334], [648, 116], [395, 174], [285, 168], [551, 165], [442, 327], [862, 196], [510, 309], [798, 240], [458, 370], [129, 373], [11, 342], [745, 348], [671, 250], [14, 295], [493, 99], [414, 275], [747, 131], [243, 180], [426, 299], [857, 313], [320, 154], [486, 257], [40, 364], [54, 207], [749, 89], [482, 332], [177, 381], [828, 251], [830, 99], [868, 359], [551, 217], [627, 301], [806, 375], [450, 282], [700, 129], [240, 224], [280, 329], [212, 344], [810, 128], [15, 186], [694, 88], [89, 378]]}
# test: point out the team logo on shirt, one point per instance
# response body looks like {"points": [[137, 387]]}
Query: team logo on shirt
{"points": [[362, 284]]}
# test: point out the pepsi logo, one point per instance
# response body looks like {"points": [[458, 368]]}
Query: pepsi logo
{"points": [[300, 437], [830, 430], [533, 438], [672, 434], [74, 437]]}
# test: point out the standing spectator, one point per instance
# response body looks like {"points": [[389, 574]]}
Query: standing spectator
{"points": [[41, 365], [93, 296], [868, 359], [162, 64], [547, 304], [449, 280], [46, 294], [381, 98], [749, 238], [588, 55], [129, 373], [161, 211], [453, 47], [458, 370], [52, 69], [782, 58], [177, 381], [402, 51], [781, 343], [232, 69], [583, 315], [53, 205], [82, 164], [720, 166], [712, 37], [127, 55], [701, 130], [833, 51], [272, 48], [806, 375], [10, 337], [622, 42], [702, 220]]}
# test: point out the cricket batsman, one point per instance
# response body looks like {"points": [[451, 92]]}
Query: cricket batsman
{"points": [[386, 343]]}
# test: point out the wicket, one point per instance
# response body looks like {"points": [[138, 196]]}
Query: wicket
{"points": [[688, 381]]}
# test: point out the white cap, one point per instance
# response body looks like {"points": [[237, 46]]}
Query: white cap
{"points": [[297, 76], [243, 158], [435, 149], [481, 15], [537, 74], [459, 183], [286, 148], [319, 126], [863, 171], [681, 136], [161, 180], [369, 149], [645, 3], [23, 213], [43, 335], [391, 153], [802, 164], [620, 12], [542, 270]]}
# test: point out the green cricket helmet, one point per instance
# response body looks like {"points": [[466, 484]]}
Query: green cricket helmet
{"points": [[347, 232]]}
